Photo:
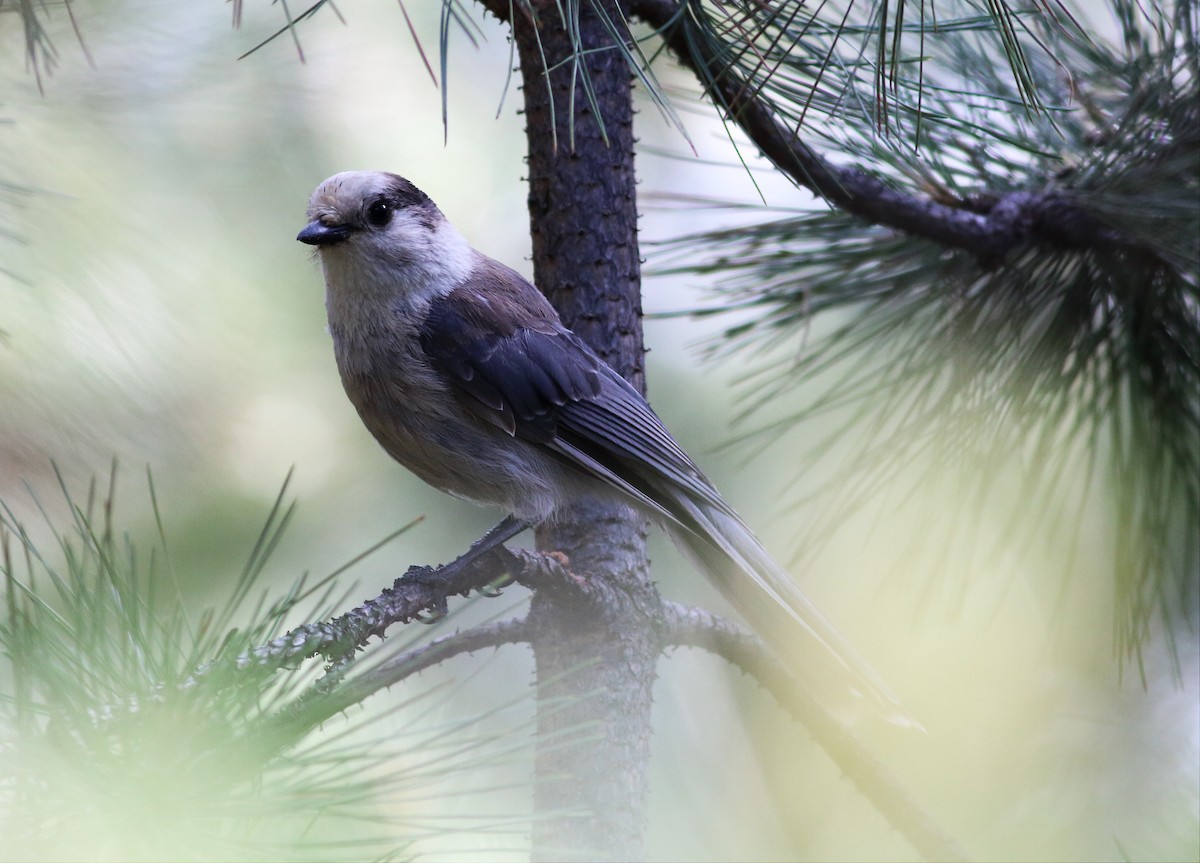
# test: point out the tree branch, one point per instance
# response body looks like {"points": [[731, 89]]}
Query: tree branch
{"points": [[689, 626], [420, 589], [694, 627], [324, 701], [988, 226]]}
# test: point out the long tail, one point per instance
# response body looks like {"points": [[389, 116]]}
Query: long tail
{"points": [[762, 591], [616, 438]]}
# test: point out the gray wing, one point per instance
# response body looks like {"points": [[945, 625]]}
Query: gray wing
{"points": [[512, 363]]}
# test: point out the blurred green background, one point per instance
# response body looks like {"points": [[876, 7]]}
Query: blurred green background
{"points": [[157, 310]]}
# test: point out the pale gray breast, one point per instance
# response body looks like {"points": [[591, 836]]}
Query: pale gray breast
{"points": [[411, 412]]}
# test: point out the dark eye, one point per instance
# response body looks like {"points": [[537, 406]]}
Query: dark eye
{"points": [[379, 213]]}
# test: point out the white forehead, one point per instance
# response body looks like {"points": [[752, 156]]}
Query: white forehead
{"points": [[347, 190]]}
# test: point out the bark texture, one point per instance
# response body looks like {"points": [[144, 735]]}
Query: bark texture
{"points": [[595, 662]]}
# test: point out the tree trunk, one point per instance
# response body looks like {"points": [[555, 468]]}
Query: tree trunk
{"points": [[595, 665]]}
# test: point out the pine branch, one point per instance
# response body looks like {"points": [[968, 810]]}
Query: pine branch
{"points": [[229, 763], [694, 627], [988, 227], [1072, 365], [341, 637], [421, 589], [325, 701]]}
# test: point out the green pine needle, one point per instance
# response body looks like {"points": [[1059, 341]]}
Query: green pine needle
{"points": [[114, 749], [1072, 372]]}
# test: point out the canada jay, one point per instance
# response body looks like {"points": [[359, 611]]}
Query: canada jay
{"points": [[464, 374]]}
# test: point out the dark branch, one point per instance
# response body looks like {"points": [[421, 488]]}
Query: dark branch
{"points": [[447, 646], [323, 702], [501, 8], [695, 627], [421, 589], [689, 626], [988, 227]]}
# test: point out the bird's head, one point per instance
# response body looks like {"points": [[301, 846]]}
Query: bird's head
{"points": [[374, 230]]}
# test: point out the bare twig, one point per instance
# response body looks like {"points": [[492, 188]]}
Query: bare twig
{"points": [[695, 627], [322, 703]]}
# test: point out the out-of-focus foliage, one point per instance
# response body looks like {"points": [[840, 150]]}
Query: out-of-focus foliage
{"points": [[1071, 373], [129, 731], [40, 51]]}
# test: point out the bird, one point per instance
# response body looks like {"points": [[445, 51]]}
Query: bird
{"points": [[464, 373]]}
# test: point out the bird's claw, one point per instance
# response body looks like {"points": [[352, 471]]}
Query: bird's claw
{"points": [[432, 578], [495, 587]]}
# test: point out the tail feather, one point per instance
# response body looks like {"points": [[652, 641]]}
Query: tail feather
{"points": [[778, 610]]}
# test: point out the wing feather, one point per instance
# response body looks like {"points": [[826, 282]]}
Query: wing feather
{"points": [[521, 370]]}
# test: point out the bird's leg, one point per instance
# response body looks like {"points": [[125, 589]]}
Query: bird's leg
{"points": [[496, 536], [441, 576]]}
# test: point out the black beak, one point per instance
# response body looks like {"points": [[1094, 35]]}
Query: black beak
{"points": [[319, 234]]}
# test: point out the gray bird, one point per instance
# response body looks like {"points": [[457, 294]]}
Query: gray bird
{"points": [[464, 373]]}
